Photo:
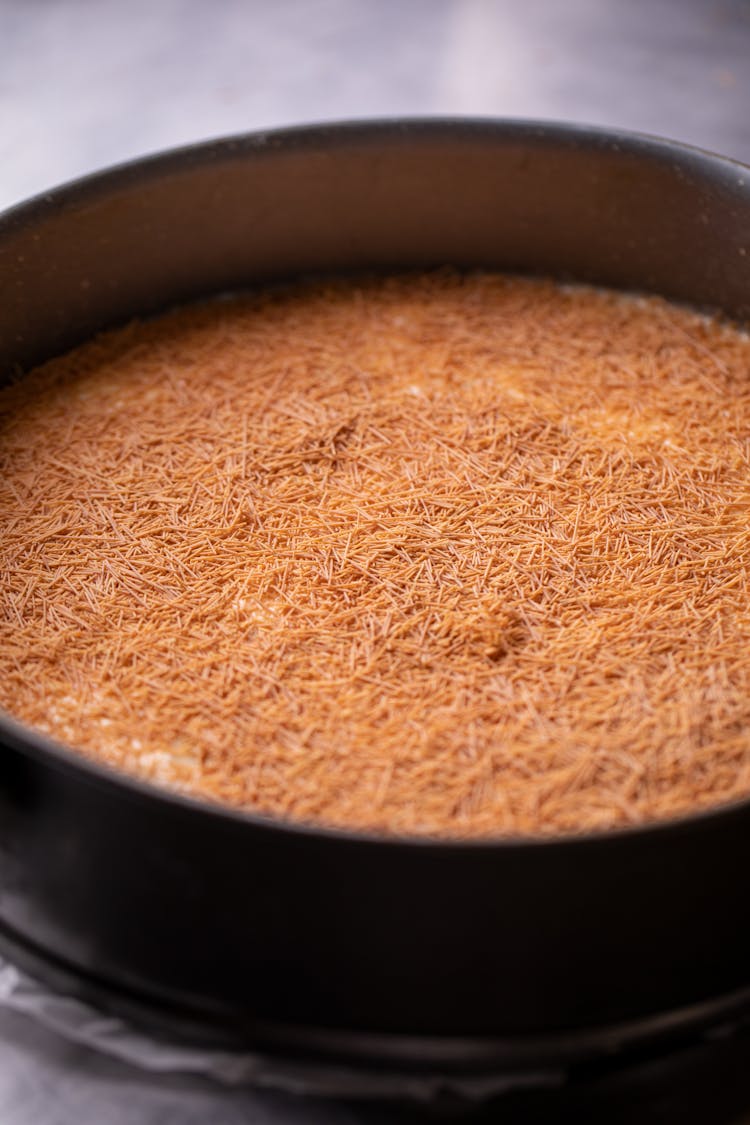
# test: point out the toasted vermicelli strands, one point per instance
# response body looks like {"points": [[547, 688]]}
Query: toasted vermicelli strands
{"points": [[447, 554]]}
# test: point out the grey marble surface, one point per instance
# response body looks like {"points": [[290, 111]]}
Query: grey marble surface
{"points": [[85, 83]]}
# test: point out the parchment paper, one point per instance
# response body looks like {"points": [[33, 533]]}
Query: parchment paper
{"points": [[81, 1023]]}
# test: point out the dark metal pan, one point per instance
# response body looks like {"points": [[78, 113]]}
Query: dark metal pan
{"points": [[507, 954]]}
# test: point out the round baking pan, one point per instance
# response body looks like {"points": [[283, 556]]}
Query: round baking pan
{"points": [[510, 955]]}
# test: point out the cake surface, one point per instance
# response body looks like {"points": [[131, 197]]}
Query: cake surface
{"points": [[433, 554]]}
